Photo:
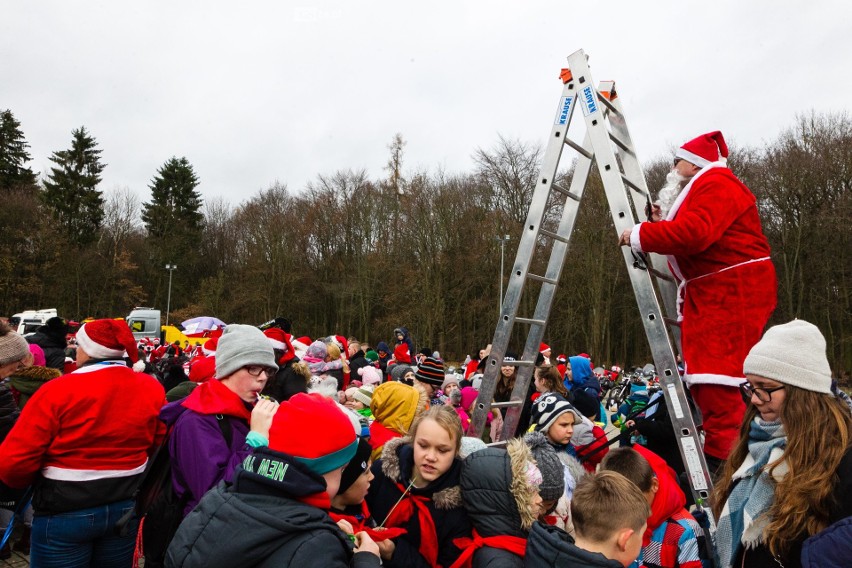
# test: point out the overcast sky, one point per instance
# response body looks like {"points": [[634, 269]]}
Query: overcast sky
{"points": [[253, 92]]}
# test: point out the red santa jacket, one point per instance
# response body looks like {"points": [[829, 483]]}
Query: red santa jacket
{"points": [[717, 250], [716, 226], [86, 436]]}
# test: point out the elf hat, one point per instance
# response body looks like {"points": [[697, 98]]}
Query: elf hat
{"points": [[109, 339], [314, 431], [704, 150]]}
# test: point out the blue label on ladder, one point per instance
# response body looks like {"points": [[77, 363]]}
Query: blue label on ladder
{"points": [[564, 111], [591, 105]]}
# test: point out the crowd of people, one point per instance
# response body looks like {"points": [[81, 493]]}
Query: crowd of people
{"points": [[287, 451]]}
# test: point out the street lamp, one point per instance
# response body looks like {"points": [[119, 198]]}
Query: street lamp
{"points": [[503, 240], [171, 268]]}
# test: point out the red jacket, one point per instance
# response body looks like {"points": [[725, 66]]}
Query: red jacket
{"points": [[86, 436]]}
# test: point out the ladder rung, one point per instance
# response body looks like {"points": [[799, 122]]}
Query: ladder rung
{"points": [[620, 143], [607, 103], [518, 363], [545, 279], [565, 192], [671, 322], [580, 150], [530, 321], [506, 404], [661, 275], [553, 235], [631, 185]]}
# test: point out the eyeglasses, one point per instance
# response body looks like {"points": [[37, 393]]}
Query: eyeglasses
{"points": [[676, 160], [256, 370], [762, 394]]}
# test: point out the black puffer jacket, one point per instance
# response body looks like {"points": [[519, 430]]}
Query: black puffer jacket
{"points": [[53, 346], [258, 522], [444, 505], [498, 500], [551, 546], [8, 410]]}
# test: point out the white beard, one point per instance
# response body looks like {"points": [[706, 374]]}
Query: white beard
{"points": [[669, 192]]}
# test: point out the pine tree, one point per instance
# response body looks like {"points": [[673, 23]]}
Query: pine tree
{"points": [[175, 207], [71, 190], [13, 155]]}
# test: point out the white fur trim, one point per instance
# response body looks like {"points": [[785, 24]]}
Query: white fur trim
{"points": [[207, 351], [277, 344], [96, 350], [635, 243], [139, 366], [66, 474], [692, 158], [712, 379]]}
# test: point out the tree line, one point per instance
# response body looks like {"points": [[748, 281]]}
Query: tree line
{"points": [[360, 256]]}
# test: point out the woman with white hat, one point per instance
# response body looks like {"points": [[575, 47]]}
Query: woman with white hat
{"points": [[789, 475]]}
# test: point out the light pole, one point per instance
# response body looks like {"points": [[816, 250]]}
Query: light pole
{"points": [[171, 268], [503, 240]]}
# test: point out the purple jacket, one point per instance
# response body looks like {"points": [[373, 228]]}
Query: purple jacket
{"points": [[200, 455]]}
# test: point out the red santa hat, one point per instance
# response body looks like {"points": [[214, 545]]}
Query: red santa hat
{"points": [[328, 444], [401, 354], [280, 340], [109, 339], [202, 369], [704, 150], [209, 347], [543, 347]]}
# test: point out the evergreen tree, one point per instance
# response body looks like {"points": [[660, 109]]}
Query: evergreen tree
{"points": [[174, 210], [71, 190], [13, 155]]}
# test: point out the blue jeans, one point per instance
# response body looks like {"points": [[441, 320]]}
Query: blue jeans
{"points": [[84, 538]]}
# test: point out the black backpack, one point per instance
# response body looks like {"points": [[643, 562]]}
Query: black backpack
{"points": [[160, 509]]}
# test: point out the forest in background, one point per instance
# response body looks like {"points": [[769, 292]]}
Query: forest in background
{"points": [[357, 256]]}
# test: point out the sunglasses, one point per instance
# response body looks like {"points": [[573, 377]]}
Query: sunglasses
{"points": [[762, 394], [676, 160], [256, 370]]}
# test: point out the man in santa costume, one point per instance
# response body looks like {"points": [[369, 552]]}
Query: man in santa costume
{"points": [[82, 441], [707, 225]]}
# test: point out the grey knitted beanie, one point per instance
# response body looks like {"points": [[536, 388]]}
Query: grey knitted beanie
{"points": [[553, 479], [240, 346], [13, 347]]}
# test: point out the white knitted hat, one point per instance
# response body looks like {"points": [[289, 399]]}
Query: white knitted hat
{"points": [[793, 354]]}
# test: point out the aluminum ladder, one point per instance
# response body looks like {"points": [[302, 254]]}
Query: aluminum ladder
{"points": [[608, 143]]}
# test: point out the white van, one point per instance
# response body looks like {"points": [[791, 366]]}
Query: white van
{"points": [[144, 322], [29, 321]]}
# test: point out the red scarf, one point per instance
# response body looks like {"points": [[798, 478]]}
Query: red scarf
{"points": [[514, 544], [380, 434], [212, 397], [319, 500], [359, 525], [428, 535]]}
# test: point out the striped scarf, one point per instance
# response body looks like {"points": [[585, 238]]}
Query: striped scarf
{"points": [[744, 516]]}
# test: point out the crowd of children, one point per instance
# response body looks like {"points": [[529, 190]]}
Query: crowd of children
{"points": [[291, 452]]}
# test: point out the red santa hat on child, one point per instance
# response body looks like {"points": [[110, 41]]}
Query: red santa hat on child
{"points": [[704, 150], [109, 339], [280, 340], [544, 347]]}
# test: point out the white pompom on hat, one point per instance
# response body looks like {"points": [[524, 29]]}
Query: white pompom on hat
{"points": [[704, 150], [793, 354]]}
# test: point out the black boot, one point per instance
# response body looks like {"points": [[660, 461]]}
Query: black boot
{"points": [[23, 544], [6, 552]]}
